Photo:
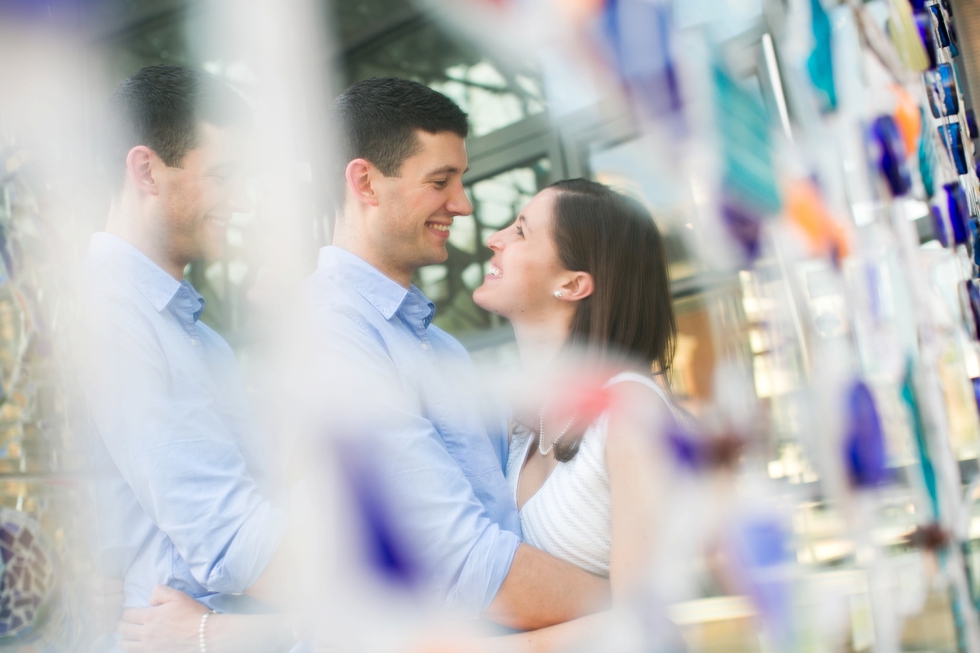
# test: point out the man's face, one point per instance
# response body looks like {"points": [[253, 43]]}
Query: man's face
{"points": [[198, 198], [416, 209]]}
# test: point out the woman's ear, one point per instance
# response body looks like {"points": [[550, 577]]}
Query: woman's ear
{"points": [[579, 286], [359, 176]]}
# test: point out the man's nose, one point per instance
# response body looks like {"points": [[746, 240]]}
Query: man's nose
{"points": [[459, 203]]}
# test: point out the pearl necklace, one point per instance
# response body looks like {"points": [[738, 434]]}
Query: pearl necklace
{"points": [[545, 452]]}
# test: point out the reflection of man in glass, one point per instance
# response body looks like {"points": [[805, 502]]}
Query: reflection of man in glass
{"points": [[441, 449], [187, 481]]}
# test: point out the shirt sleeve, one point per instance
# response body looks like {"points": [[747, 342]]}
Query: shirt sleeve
{"points": [[464, 554], [162, 429]]}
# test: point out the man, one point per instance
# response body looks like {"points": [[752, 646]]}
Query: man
{"points": [[187, 489], [440, 451]]}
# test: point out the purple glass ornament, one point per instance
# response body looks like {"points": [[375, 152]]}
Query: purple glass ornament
{"points": [[744, 226], [958, 210], [891, 159], [927, 36], [864, 444]]}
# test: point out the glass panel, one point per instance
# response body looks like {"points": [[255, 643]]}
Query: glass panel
{"points": [[355, 19], [630, 168], [492, 96], [496, 202], [161, 42]]}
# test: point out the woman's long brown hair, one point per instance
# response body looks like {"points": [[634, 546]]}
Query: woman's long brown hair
{"points": [[630, 313]]}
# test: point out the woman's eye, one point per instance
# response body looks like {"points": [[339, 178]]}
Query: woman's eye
{"points": [[520, 232]]}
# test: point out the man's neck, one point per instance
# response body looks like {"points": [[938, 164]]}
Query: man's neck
{"points": [[402, 277], [122, 223]]}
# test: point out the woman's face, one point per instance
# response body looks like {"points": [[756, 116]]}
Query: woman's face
{"points": [[525, 271]]}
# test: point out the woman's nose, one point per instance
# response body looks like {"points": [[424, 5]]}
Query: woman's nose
{"points": [[495, 241]]}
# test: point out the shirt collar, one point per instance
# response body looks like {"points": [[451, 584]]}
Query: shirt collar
{"points": [[373, 285], [157, 286]]}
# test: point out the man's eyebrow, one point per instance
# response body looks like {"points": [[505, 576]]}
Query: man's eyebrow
{"points": [[445, 170], [521, 218]]}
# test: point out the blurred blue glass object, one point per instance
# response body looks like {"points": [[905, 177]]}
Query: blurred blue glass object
{"points": [[864, 444], [941, 89], [952, 136], [820, 64], [749, 175], [940, 26], [639, 34], [386, 548], [928, 37], [763, 550], [959, 211], [891, 155]]}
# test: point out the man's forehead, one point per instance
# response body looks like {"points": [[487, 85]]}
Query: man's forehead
{"points": [[441, 152]]}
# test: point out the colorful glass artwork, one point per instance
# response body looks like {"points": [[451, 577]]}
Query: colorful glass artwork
{"points": [[941, 88], [891, 155], [28, 573], [952, 136]]}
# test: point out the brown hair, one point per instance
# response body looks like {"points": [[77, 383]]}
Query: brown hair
{"points": [[630, 313]]}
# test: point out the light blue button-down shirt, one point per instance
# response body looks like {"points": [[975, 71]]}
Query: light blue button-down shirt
{"points": [[443, 461], [187, 485]]}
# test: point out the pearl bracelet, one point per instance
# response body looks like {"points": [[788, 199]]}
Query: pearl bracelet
{"points": [[204, 623]]}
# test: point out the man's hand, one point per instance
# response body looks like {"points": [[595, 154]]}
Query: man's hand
{"points": [[172, 626]]}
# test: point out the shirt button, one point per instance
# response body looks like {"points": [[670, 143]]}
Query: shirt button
{"points": [[194, 341], [425, 346]]}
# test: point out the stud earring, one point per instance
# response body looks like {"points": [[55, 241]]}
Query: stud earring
{"points": [[558, 294]]}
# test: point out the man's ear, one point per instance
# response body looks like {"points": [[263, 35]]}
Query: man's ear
{"points": [[579, 286], [140, 167], [360, 174]]}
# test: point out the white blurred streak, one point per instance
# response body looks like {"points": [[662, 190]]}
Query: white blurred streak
{"points": [[49, 203]]}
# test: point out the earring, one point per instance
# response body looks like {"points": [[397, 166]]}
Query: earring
{"points": [[558, 294]]}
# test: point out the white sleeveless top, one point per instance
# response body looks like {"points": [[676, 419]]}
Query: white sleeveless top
{"points": [[569, 516]]}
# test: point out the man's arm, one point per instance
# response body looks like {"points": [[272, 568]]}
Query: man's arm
{"points": [[542, 590], [171, 446], [365, 405]]}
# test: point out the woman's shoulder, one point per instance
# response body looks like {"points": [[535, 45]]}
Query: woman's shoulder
{"points": [[639, 410]]}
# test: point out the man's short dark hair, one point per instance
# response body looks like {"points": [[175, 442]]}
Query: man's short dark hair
{"points": [[160, 107], [378, 118]]}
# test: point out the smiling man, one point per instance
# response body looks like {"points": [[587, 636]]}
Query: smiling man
{"points": [[185, 485], [439, 445]]}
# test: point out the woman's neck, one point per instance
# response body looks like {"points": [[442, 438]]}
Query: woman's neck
{"points": [[539, 342]]}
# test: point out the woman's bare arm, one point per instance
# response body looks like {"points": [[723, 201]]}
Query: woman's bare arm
{"points": [[639, 469], [173, 626]]}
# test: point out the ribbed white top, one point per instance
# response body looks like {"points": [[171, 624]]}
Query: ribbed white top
{"points": [[569, 516]]}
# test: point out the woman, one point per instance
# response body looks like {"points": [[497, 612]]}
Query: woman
{"points": [[582, 276]]}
